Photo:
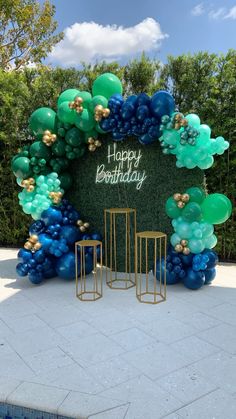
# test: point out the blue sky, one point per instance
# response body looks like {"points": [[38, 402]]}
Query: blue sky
{"points": [[122, 29]]}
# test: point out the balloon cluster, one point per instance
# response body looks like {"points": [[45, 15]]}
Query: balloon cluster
{"points": [[49, 250], [193, 215], [193, 270], [190, 141], [138, 115]]}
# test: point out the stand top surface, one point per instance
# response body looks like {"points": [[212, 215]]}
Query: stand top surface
{"points": [[85, 243], [120, 210], [150, 234]]}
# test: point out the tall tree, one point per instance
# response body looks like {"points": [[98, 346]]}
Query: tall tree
{"points": [[26, 32]]}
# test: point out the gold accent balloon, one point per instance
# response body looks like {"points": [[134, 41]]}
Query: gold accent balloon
{"points": [[33, 243], [93, 144], [49, 138], [77, 104], [83, 226], [101, 112], [56, 197], [28, 184]]}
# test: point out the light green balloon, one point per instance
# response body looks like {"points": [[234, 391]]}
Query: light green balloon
{"points": [[98, 100], [65, 114], [87, 99], [107, 85], [216, 208], [85, 121], [67, 96]]}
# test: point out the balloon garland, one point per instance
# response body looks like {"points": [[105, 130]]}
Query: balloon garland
{"points": [[65, 135]]}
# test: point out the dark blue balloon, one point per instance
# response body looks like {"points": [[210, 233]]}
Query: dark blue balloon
{"points": [[73, 216], [50, 273], [154, 131], [210, 274], [117, 136], [187, 259], [212, 256], [162, 103], [105, 124], [142, 112], [145, 139], [88, 263], [65, 266], [52, 215], [194, 280], [21, 270], [96, 236], [24, 254], [132, 99], [35, 277], [143, 99], [70, 233], [39, 256], [171, 277], [36, 227], [46, 241], [127, 110]]}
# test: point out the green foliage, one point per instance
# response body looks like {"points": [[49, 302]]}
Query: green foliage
{"points": [[26, 32]]}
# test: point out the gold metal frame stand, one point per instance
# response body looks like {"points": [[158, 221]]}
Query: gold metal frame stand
{"points": [[147, 289], [94, 292], [128, 279]]}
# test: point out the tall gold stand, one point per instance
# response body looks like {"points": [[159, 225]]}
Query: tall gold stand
{"points": [[127, 279], [90, 290], [146, 283]]}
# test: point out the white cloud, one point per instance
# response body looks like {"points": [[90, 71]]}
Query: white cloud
{"points": [[198, 10], [89, 41], [231, 14], [217, 14]]}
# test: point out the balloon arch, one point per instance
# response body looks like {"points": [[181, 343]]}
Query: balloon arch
{"points": [[77, 126]]}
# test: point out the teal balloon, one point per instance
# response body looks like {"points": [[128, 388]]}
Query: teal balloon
{"points": [[40, 150], [67, 96], [192, 212], [59, 148], [216, 208], [85, 121], [183, 229], [175, 239], [207, 229], [171, 208], [21, 167], [41, 120], [196, 194], [210, 242], [107, 85], [65, 114], [193, 120], [196, 245]]}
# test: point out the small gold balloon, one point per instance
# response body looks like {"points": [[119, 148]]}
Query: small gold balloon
{"points": [[30, 188], [79, 223], [82, 229], [98, 108], [28, 245], [86, 225], [92, 147], [97, 143], [90, 140], [186, 251], [178, 248], [184, 243], [37, 246], [33, 238], [78, 100], [177, 196], [185, 197], [180, 204], [106, 112]]}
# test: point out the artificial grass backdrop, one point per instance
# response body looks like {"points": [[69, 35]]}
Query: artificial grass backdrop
{"points": [[163, 179]]}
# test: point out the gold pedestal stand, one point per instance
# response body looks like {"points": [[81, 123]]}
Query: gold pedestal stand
{"points": [[147, 288], [126, 280], [94, 291]]}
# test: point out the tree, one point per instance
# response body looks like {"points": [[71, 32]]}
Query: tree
{"points": [[26, 32], [141, 75]]}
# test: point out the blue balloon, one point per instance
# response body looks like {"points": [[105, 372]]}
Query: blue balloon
{"points": [[24, 254], [117, 136], [142, 112], [210, 274], [96, 236], [162, 103], [21, 270], [194, 280], [65, 266], [154, 131], [143, 99], [127, 110], [70, 233], [171, 277], [35, 277], [212, 256], [37, 227], [145, 139], [105, 124], [45, 240], [187, 259], [39, 256], [132, 99], [52, 215], [88, 263]]}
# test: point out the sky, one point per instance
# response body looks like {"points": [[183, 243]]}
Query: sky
{"points": [[121, 30]]}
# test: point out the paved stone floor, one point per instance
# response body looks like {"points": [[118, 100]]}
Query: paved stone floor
{"points": [[116, 358]]}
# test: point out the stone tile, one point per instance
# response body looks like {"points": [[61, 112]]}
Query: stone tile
{"points": [[112, 372], [71, 377], [219, 369], [12, 366], [7, 386], [16, 306], [60, 316], [4, 329], [48, 360], [82, 406], [117, 322], [25, 323], [168, 330], [222, 336], [5, 348], [224, 311], [216, 405], [194, 348], [76, 330], [147, 399], [132, 339], [200, 299], [92, 349], [38, 397], [186, 384], [156, 360], [200, 321], [116, 413]]}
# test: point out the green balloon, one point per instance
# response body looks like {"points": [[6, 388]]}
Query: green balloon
{"points": [[40, 150], [171, 208], [87, 99], [65, 114], [74, 137], [98, 100], [216, 208], [107, 85], [58, 148], [99, 129], [192, 212], [196, 194], [21, 167], [84, 121], [41, 120], [67, 96], [66, 180], [93, 133]]}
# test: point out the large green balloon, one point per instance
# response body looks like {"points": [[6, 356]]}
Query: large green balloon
{"points": [[65, 114], [216, 208], [98, 100], [41, 120], [107, 85], [40, 150], [87, 99], [192, 212], [58, 148], [21, 167], [196, 194], [67, 96], [84, 121], [171, 208], [74, 137]]}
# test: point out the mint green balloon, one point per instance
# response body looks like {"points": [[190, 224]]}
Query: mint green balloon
{"points": [[65, 114], [41, 120], [196, 194], [171, 208], [193, 120], [85, 121], [107, 85], [216, 208], [67, 96]]}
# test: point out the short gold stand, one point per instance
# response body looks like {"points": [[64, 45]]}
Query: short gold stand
{"points": [[94, 292], [146, 284], [126, 280]]}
